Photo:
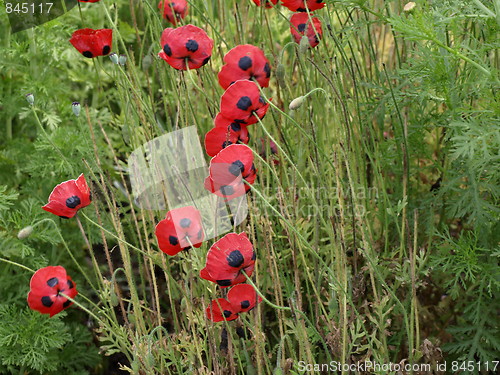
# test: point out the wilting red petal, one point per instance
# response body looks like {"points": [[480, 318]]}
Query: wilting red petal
{"points": [[227, 258], [300, 5], [220, 310], [245, 62], [45, 287], [186, 46], [92, 43], [243, 297], [242, 102], [68, 197], [301, 25], [173, 10], [181, 228]]}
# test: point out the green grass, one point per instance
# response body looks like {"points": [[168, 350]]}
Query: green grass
{"points": [[376, 234]]}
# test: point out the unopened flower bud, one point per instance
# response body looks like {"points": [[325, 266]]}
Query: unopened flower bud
{"points": [[25, 232], [114, 58], [30, 98], [76, 107], [297, 102], [280, 75], [409, 6], [122, 60], [304, 44]]}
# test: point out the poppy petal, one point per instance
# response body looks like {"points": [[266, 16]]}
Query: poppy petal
{"points": [[220, 310], [243, 298]]}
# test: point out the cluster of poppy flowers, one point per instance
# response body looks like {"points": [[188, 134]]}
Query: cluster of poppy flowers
{"points": [[300, 23], [231, 259], [227, 262]]}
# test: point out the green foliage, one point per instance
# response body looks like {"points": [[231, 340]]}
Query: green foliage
{"points": [[35, 342]]}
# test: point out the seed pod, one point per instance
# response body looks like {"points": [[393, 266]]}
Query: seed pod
{"points": [[297, 102], [30, 98], [280, 75], [76, 107], [114, 58], [304, 44], [25, 232], [122, 60]]}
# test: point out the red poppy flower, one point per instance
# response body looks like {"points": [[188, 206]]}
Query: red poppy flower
{"points": [[186, 46], [243, 298], [245, 62], [220, 310], [92, 43], [266, 3], [181, 228], [228, 169], [68, 197], [242, 102], [299, 22], [225, 135], [227, 258], [173, 10], [45, 288], [300, 5]]}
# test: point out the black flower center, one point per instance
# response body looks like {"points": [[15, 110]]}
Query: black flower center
{"points": [[73, 201], [192, 45], [245, 63], [244, 103], [235, 259]]}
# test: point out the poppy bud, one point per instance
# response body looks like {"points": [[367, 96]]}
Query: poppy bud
{"points": [[280, 74], [30, 98], [113, 297], [297, 102], [122, 60], [304, 44], [75, 106], [114, 58], [25, 232], [409, 6]]}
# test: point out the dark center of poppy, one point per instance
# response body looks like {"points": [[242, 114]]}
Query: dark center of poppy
{"points": [[226, 143], [235, 126], [173, 240], [236, 168], [235, 258], [192, 45], [72, 202], [226, 190], [245, 63], [106, 50], [267, 69], [87, 54], [227, 313], [167, 50], [52, 282], [301, 27], [244, 103], [245, 304], [225, 282], [47, 301], [185, 223]]}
